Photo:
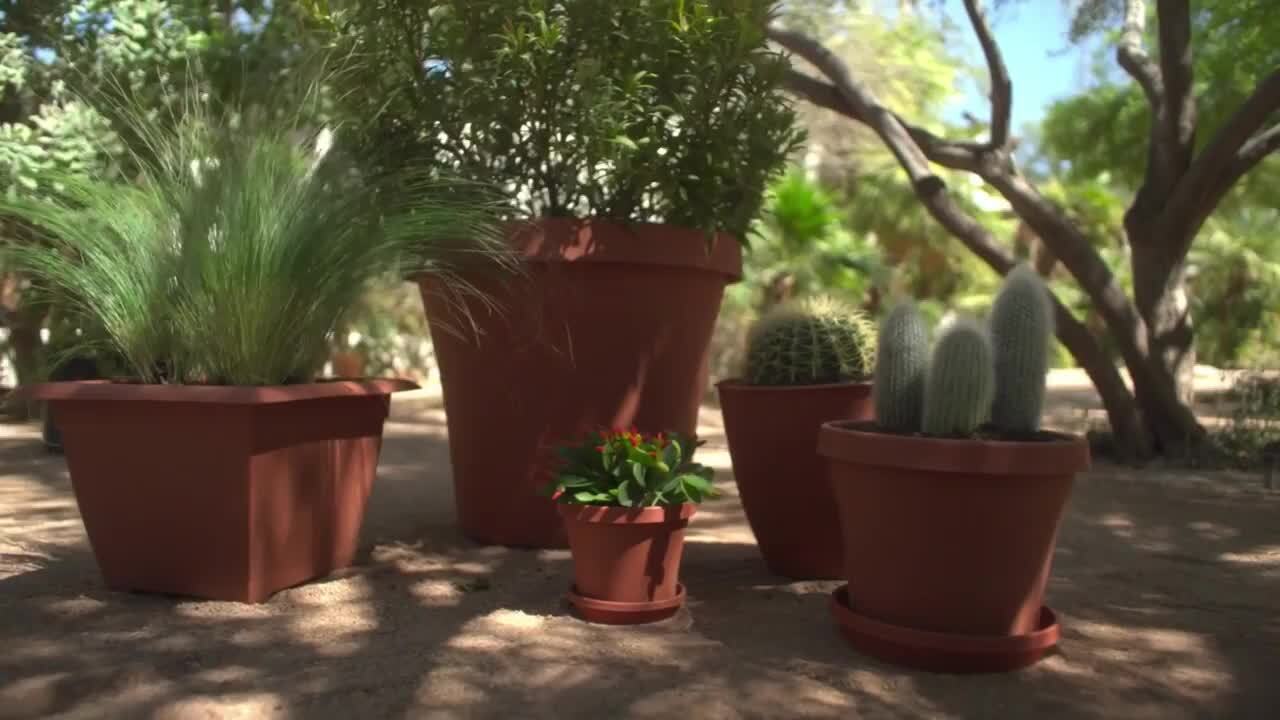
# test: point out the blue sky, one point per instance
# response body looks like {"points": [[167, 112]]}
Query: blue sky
{"points": [[1043, 64]]}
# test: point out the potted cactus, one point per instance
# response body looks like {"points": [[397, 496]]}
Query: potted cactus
{"points": [[807, 362], [950, 501], [625, 499], [219, 465], [639, 139]]}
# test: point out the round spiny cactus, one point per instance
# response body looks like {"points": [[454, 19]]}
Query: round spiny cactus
{"points": [[1021, 326], [903, 350], [810, 342], [961, 381]]}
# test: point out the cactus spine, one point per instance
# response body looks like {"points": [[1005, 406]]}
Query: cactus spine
{"points": [[903, 349], [1021, 324], [961, 381], [810, 342]]}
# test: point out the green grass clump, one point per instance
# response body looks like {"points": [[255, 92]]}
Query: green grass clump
{"points": [[238, 248]]}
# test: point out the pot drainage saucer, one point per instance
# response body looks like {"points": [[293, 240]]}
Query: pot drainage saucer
{"points": [[943, 652], [625, 613]]}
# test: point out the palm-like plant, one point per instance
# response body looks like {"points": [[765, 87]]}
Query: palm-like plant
{"points": [[238, 248]]}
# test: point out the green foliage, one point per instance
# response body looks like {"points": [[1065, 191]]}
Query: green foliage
{"points": [[1234, 271], [629, 469], [961, 381], [810, 342], [666, 110], [901, 368], [1021, 325], [237, 250]]}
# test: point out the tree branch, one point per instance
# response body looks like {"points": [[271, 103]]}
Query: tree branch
{"points": [[1235, 148], [948, 153], [1178, 113], [1001, 86], [1133, 57]]}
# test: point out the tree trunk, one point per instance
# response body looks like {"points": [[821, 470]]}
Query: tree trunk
{"points": [[1165, 388]]}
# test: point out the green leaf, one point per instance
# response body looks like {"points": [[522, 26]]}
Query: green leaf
{"points": [[671, 454], [585, 497], [574, 481], [624, 495], [639, 471]]}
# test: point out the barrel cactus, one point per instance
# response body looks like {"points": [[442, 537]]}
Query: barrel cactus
{"points": [[903, 349], [961, 381], [815, 341], [1021, 325]]}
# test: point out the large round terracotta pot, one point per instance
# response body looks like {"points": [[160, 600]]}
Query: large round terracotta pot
{"points": [[626, 561], [782, 481], [609, 325], [948, 544], [224, 493]]}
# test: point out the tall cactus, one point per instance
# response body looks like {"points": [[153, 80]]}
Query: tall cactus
{"points": [[811, 342], [903, 349], [961, 381], [1021, 326]]}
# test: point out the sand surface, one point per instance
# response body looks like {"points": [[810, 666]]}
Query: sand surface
{"points": [[1167, 585]]}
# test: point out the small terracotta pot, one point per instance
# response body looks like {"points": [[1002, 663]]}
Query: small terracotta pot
{"points": [[349, 364], [225, 493], [949, 536], [628, 558], [608, 325], [782, 481]]}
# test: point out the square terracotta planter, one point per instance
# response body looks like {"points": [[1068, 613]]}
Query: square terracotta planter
{"points": [[223, 493]]}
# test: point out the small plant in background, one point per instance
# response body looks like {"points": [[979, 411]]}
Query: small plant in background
{"points": [[818, 341], [629, 469], [986, 381]]}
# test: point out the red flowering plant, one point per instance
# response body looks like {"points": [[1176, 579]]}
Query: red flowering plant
{"points": [[630, 469]]}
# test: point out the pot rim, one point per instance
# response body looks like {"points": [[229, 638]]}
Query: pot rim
{"points": [[736, 384], [112, 391], [617, 515], [857, 443]]}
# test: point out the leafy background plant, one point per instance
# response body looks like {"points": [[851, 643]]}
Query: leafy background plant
{"points": [[629, 469], [664, 111]]}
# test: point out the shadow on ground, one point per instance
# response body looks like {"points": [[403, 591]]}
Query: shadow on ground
{"points": [[1168, 587]]}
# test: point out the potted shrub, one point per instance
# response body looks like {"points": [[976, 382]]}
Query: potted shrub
{"points": [[638, 140], [807, 362], [950, 501], [219, 466], [625, 499]]}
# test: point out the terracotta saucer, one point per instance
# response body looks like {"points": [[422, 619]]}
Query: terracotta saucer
{"points": [[943, 652], [625, 613]]}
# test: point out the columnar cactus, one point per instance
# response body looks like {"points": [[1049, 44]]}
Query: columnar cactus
{"points": [[961, 381], [1021, 324], [903, 349], [811, 342]]}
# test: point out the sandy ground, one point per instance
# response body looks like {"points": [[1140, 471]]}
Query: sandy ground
{"points": [[1168, 586]]}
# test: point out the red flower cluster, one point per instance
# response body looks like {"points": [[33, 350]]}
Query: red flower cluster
{"points": [[632, 436]]}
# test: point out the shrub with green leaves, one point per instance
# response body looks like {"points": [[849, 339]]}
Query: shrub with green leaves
{"points": [[815, 341], [629, 469], [238, 248], [662, 111]]}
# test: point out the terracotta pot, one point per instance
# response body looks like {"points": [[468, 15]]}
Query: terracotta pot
{"points": [[628, 557], [949, 536], [782, 481], [348, 364], [609, 325], [225, 493]]}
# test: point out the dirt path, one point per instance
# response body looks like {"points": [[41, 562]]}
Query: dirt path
{"points": [[1168, 585]]}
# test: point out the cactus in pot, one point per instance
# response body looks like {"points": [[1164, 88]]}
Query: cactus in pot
{"points": [[903, 348], [960, 382], [817, 341], [1021, 326]]}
